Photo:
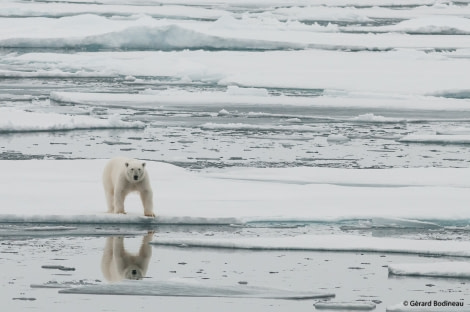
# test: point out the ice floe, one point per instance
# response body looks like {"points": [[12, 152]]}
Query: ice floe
{"points": [[455, 269], [392, 73], [255, 127], [260, 98], [50, 228], [56, 194], [15, 120], [369, 117], [344, 243], [60, 285], [436, 139]]}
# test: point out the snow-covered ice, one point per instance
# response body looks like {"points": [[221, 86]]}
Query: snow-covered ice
{"points": [[71, 192], [13, 120], [396, 71]]}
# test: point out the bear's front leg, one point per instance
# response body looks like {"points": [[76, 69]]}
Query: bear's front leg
{"points": [[110, 201], [147, 201], [119, 197]]}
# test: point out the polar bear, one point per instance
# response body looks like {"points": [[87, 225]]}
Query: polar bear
{"points": [[122, 176], [118, 264]]}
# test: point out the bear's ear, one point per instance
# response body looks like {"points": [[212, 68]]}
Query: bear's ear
{"points": [[143, 165], [127, 164]]}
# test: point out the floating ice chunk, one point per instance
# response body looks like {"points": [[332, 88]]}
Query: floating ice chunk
{"points": [[12, 120], [391, 223], [115, 121], [24, 298], [51, 228], [346, 306], [375, 118], [455, 131], [294, 120], [250, 127], [55, 284], [403, 223], [337, 138], [235, 90], [129, 78], [436, 139], [453, 94], [438, 269], [223, 112], [323, 13], [433, 24]]}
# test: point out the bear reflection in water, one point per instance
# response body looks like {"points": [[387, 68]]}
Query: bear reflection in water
{"points": [[118, 264]]}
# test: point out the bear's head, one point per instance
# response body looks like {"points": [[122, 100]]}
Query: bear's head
{"points": [[135, 171]]}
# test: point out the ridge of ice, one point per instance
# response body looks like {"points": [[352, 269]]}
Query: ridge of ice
{"points": [[142, 37]]}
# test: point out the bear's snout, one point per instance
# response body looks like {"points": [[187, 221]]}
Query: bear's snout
{"points": [[134, 272], [136, 178]]}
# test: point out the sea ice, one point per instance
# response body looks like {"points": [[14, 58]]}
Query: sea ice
{"points": [[345, 243], [13, 120], [233, 196]]}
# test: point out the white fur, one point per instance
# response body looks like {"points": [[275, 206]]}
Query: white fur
{"points": [[122, 176], [118, 264]]}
